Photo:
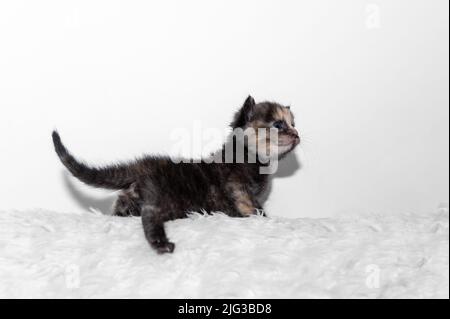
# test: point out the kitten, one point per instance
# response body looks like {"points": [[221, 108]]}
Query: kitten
{"points": [[159, 190]]}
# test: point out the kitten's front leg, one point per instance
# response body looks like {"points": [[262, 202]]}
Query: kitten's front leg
{"points": [[245, 203], [259, 209], [154, 230]]}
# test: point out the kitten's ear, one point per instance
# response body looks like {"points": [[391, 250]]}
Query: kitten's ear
{"points": [[245, 113], [249, 102]]}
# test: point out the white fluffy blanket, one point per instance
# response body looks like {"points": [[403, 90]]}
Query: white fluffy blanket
{"points": [[48, 254]]}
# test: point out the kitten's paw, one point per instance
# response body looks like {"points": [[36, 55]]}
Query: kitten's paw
{"points": [[163, 247]]}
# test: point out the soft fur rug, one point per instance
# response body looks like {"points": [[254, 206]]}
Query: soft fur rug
{"points": [[54, 255]]}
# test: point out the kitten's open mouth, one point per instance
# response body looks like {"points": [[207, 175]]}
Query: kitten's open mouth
{"points": [[293, 142], [285, 144]]}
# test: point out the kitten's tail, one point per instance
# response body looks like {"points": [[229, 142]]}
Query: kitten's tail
{"points": [[111, 177]]}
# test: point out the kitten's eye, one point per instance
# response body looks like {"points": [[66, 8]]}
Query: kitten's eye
{"points": [[278, 124]]}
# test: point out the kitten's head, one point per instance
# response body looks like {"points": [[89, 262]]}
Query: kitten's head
{"points": [[259, 119]]}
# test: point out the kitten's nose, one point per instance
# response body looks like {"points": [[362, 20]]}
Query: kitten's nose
{"points": [[293, 132]]}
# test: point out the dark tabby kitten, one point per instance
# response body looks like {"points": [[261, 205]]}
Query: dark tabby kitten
{"points": [[159, 190]]}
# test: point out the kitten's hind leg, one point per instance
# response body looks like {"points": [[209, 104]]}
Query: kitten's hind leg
{"points": [[154, 230], [128, 203], [126, 206]]}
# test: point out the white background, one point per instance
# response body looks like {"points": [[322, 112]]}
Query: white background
{"points": [[367, 80]]}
